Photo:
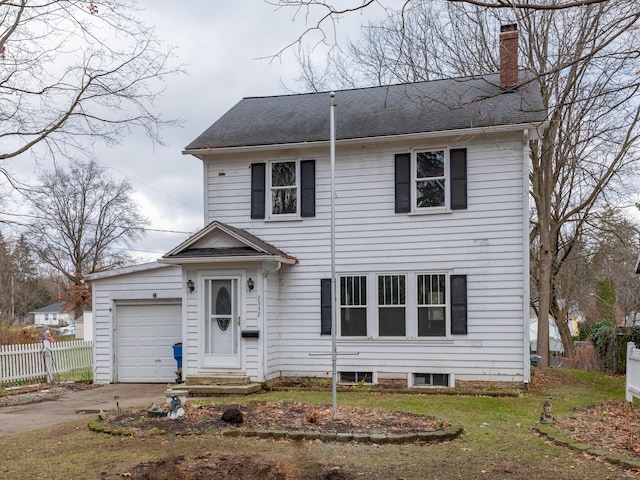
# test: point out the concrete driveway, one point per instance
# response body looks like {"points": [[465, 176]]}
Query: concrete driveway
{"points": [[74, 405]]}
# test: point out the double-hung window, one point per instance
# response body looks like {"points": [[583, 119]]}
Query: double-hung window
{"points": [[391, 305], [412, 305], [432, 305], [353, 306], [283, 189], [431, 180]]}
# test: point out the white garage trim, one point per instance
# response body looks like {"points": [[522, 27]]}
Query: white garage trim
{"points": [[144, 333]]}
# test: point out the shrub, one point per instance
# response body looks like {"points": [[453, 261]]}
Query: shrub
{"points": [[610, 344]]}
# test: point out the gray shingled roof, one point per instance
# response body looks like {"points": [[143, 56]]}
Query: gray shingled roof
{"points": [[439, 105], [255, 246], [217, 252], [51, 308]]}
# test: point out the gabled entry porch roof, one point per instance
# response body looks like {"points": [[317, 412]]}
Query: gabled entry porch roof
{"points": [[219, 242]]}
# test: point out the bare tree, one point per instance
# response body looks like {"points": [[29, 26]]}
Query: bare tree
{"points": [[82, 220], [323, 17], [585, 69], [584, 62], [74, 71]]}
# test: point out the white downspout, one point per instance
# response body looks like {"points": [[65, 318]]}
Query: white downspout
{"points": [[264, 302]]}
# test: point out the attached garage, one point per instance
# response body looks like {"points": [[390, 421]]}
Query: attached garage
{"points": [[137, 314], [145, 335]]}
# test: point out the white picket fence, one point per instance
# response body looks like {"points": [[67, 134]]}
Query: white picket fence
{"points": [[633, 372], [37, 361]]}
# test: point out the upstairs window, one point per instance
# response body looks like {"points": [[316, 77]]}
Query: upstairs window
{"points": [[283, 189], [431, 180]]}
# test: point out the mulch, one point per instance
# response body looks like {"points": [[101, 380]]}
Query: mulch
{"points": [[283, 416]]}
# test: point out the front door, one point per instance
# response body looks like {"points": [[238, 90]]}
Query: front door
{"points": [[221, 323]]}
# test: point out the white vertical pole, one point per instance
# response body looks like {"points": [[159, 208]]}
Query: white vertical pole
{"points": [[334, 353]]}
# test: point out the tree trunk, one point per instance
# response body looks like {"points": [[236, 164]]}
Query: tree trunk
{"points": [[543, 184], [567, 340], [544, 292], [561, 317]]}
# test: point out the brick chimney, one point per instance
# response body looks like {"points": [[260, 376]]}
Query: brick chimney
{"points": [[509, 55]]}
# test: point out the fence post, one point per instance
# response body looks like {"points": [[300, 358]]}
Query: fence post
{"points": [[632, 387], [48, 359]]}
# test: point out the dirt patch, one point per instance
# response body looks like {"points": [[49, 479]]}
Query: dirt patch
{"points": [[283, 416], [225, 468], [613, 426]]}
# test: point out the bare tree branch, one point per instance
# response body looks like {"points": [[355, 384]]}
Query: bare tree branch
{"points": [[541, 5], [75, 71]]}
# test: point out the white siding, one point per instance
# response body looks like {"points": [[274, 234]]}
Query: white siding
{"points": [[154, 285], [487, 242], [273, 327]]}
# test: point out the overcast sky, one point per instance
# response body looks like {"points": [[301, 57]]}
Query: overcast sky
{"points": [[220, 44]]}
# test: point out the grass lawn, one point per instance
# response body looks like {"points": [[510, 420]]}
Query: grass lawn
{"points": [[498, 443]]}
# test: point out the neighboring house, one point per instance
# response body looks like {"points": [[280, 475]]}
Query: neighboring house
{"points": [[431, 242], [574, 319], [555, 340], [52, 314]]}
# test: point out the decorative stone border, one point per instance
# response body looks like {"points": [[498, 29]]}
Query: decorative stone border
{"points": [[556, 436], [449, 433]]}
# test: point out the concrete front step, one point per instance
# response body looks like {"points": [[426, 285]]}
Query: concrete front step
{"points": [[204, 379], [244, 389]]}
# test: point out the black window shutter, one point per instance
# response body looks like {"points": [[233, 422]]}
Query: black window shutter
{"points": [[458, 166], [403, 182], [325, 306], [258, 177], [308, 188], [458, 304]]}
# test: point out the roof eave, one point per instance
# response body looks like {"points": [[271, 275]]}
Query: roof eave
{"points": [[228, 259], [207, 230], [531, 126], [123, 271]]}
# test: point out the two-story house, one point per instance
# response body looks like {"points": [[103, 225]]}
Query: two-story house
{"points": [[429, 234]]}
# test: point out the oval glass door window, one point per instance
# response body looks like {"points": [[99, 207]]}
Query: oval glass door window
{"points": [[223, 307]]}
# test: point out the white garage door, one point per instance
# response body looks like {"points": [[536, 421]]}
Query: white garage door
{"points": [[145, 338]]}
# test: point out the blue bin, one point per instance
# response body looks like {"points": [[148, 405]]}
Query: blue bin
{"points": [[177, 353]]}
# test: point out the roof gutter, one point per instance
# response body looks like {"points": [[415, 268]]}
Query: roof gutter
{"points": [[531, 127]]}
